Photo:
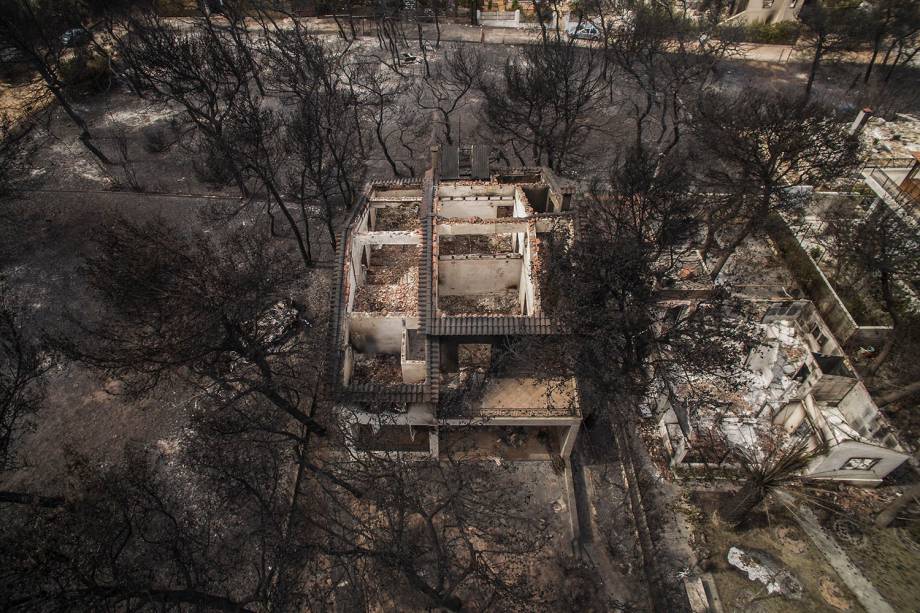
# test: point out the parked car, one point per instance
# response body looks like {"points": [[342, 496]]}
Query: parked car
{"points": [[12, 55], [212, 6], [14, 64], [585, 31], [76, 37]]}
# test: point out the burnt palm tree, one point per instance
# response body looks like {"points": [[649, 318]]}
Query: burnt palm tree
{"points": [[775, 461]]}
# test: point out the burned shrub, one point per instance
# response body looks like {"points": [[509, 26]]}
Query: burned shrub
{"points": [[157, 139], [212, 165]]}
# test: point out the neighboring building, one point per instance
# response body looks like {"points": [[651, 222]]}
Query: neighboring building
{"points": [[798, 381], [764, 11], [889, 181], [435, 281], [893, 170]]}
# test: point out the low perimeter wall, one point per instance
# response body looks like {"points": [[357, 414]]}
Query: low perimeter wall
{"points": [[831, 308]]}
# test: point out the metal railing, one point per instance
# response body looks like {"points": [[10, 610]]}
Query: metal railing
{"points": [[890, 163], [904, 200]]}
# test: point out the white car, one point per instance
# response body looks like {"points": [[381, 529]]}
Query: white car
{"points": [[586, 31]]}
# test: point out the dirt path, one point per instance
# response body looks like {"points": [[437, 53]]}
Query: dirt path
{"points": [[861, 587]]}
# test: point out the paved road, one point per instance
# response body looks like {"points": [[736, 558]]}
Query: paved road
{"points": [[454, 32]]}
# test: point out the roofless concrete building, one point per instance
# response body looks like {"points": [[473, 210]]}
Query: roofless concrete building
{"points": [[435, 279]]}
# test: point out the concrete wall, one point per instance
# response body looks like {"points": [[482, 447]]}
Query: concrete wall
{"points": [[870, 336], [522, 207], [487, 209], [462, 275], [459, 228], [832, 388], [790, 416], [830, 465], [829, 305], [459, 190], [499, 19], [370, 333], [413, 371], [528, 293], [859, 409]]}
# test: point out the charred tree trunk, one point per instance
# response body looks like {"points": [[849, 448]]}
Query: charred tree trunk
{"points": [[739, 507], [898, 394], [813, 71], [730, 249], [890, 513], [49, 502]]}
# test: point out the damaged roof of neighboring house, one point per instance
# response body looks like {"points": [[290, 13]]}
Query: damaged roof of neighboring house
{"points": [[892, 139], [787, 367]]}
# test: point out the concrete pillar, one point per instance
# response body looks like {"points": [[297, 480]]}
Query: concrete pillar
{"points": [[860, 122], [517, 16], [568, 441], [567, 193], [914, 172], [434, 444], [435, 161]]}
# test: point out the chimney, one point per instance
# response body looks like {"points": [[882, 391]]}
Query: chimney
{"points": [[861, 120]]}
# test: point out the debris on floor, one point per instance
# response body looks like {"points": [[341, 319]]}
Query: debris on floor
{"points": [[762, 567], [377, 368], [504, 303]]}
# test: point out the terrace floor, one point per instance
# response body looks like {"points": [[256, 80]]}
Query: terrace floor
{"points": [[392, 281], [401, 217], [380, 368], [505, 302]]}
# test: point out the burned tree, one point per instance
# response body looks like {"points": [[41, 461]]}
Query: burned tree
{"points": [[877, 253], [221, 313], [323, 138], [23, 364], [665, 54], [766, 146], [890, 24], [237, 91], [544, 103], [378, 89], [202, 71], [604, 281], [774, 461], [14, 154], [442, 92], [166, 529], [49, 36], [830, 28], [433, 534]]}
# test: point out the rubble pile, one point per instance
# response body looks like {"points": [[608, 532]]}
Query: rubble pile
{"points": [[496, 303], [378, 368], [403, 217]]}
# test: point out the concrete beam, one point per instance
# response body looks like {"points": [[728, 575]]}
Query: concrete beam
{"points": [[460, 228], [389, 237], [479, 199], [513, 421], [568, 442], [547, 224], [394, 200]]}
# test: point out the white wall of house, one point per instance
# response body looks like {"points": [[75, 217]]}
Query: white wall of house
{"points": [[838, 463], [769, 11]]}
